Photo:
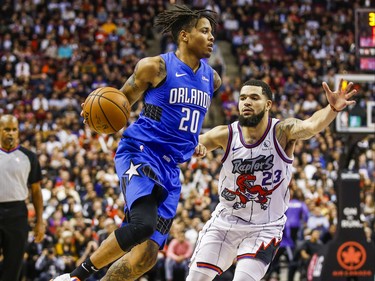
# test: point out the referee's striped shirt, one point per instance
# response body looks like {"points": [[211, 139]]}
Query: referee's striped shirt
{"points": [[19, 168]]}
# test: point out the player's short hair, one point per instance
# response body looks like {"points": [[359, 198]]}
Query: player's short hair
{"points": [[182, 17], [266, 89]]}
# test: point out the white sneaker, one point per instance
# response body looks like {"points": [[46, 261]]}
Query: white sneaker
{"points": [[65, 277]]}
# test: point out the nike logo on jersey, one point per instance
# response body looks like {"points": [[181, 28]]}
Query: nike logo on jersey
{"points": [[204, 78], [180, 74], [236, 148]]}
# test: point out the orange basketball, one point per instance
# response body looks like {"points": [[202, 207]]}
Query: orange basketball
{"points": [[106, 110]]}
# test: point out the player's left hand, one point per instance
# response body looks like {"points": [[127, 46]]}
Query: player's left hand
{"points": [[200, 151], [39, 231], [339, 99]]}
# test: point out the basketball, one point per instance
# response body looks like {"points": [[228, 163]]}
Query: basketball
{"points": [[106, 110]]}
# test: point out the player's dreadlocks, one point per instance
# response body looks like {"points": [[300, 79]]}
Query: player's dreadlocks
{"points": [[182, 17]]}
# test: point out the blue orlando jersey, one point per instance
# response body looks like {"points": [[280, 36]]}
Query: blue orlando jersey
{"points": [[173, 112]]}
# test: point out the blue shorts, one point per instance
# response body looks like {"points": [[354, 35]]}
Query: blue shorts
{"points": [[140, 169]]}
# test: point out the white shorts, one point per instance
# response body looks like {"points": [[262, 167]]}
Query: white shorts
{"points": [[226, 238]]}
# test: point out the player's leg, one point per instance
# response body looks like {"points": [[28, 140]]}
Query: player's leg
{"points": [[257, 250], [142, 221], [206, 264], [142, 196], [141, 225], [250, 270], [148, 217], [201, 275], [138, 169], [14, 238], [135, 263], [215, 251]]}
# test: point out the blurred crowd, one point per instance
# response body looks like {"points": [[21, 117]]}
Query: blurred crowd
{"points": [[53, 53]]}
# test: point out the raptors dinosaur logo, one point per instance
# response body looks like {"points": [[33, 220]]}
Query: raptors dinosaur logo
{"points": [[247, 191]]}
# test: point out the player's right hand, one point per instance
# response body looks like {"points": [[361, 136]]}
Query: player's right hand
{"points": [[200, 151], [84, 120]]}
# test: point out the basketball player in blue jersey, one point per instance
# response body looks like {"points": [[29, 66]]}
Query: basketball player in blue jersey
{"points": [[248, 222], [177, 89]]}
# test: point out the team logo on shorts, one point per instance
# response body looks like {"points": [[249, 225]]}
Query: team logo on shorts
{"points": [[247, 191], [133, 170]]}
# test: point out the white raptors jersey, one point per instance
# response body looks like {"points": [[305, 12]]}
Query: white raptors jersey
{"points": [[254, 179]]}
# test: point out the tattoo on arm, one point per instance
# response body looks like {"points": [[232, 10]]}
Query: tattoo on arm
{"points": [[162, 69], [217, 81], [292, 129], [281, 136], [131, 82]]}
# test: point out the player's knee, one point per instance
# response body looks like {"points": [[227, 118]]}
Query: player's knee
{"points": [[250, 270], [144, 230], [149, 257], [133, 234], [244, 276], [202, 275]]}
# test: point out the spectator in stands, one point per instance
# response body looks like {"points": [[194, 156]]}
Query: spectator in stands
{"points": [[66, 249], [297, 215], [304, 253], [178, 255], [328, 236], [368, 234], [310, 104], [255, 47], [109, 227], [369, 207], [8, 80], [48, 264], [317, 220]]}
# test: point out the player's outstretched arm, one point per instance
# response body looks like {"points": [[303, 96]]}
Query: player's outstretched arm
{"points": [[215, 138], [148, 72], [294, 129]]}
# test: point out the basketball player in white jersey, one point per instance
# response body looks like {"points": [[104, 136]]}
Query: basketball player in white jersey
{"points": [[247, 225]]}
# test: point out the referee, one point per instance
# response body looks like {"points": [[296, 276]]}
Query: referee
{"points": [[19, 170]]}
